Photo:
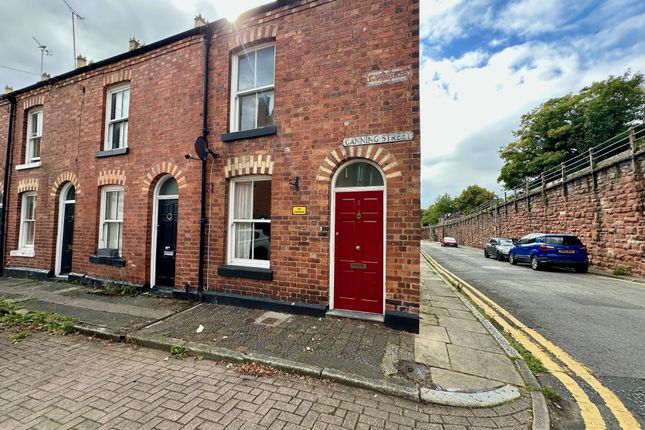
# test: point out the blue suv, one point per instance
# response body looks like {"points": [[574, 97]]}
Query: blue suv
{"points": [[540, 250]]}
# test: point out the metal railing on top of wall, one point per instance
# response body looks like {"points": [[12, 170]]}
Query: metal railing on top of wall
{"points": [[623, 146]]}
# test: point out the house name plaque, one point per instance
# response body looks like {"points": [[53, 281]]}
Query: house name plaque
{"points": [[399, 136]]}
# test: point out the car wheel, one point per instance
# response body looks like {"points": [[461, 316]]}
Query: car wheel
{"points": [[535, 264], [582, 269], [511, 259], [486, 254]]}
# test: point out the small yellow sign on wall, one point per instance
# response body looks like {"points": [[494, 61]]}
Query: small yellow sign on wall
{"points": [[299, 210]]}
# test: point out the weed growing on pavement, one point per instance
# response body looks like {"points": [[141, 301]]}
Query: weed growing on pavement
{"points": [[115, 289], [550, 394], [622, 271], [531, 361], [13, 316], [15, 338], [178, 351]]}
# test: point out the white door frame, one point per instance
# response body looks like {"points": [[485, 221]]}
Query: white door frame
{"points": [[62, 202], [332, 227], [154, 227]]}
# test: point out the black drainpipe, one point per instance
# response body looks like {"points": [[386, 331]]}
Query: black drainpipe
{"points": [[202, 221], [7, 168]]}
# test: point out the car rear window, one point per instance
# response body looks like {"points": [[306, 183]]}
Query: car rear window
{"points": [[562, 240]]}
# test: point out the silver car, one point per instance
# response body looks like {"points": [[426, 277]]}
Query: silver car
{"points": [[498, 247]]}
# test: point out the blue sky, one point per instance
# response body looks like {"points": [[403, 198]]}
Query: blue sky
{"points": [[483, 62], [486, 62]]}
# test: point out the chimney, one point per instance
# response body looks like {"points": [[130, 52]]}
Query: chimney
{"points": [[81, 61], [45, 76], [134, 44], [200, 21], [8, 89]]}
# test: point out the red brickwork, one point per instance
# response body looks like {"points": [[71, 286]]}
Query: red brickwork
{"points": [[608, 218], [324, 53]]}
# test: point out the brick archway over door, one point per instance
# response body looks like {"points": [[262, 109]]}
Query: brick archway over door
{"points": [[376, 153]]}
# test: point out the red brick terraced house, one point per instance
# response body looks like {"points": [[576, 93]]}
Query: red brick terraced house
{"points": [[271, 162]]}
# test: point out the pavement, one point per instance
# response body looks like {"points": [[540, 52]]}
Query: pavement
{"points": [[77, 382], [454, 360], [598, 320]]}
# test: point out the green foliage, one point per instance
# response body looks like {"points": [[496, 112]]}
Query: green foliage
{"points": [[565, 126], [444, 204], [15, 338], [178, 351], [622, 271], [116, 289], [12, 316], [550, 394], [469, 199], [472, 197], [531, 361]]}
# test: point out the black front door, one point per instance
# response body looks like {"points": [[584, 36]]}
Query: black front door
{"points": [[166, 243], [68, 239]]}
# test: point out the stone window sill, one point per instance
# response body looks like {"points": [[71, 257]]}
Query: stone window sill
{"points": [[249, 134], [246, 272], [108, 261], [29, 165], [111, 152], [25, 252]]}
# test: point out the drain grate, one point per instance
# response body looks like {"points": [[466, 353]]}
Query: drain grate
{"points": [[414, 371]]}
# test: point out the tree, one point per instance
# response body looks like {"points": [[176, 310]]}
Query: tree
{"points": [[565, 126], [444, 204], [471, 197]]}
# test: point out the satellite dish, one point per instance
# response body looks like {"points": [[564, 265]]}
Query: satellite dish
{"points": [[201, 147]]}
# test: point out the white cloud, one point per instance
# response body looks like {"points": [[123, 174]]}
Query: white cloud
{"points": [[468, 112]]}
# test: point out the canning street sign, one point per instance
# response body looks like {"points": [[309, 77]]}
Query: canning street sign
{"points": [[399, 136]]}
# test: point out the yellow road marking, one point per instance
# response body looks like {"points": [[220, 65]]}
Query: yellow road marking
{"points": [[625, 419]]}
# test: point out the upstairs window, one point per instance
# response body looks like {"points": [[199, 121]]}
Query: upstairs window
{"points": [[34, 135], [116, 121], [253, 82], [111, 226]]}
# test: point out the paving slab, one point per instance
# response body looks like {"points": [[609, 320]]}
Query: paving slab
{"points": [[431, 352], [490, 365], [449, 379], [434, 333], [469, 339]]}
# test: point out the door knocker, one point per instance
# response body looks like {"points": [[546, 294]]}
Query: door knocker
{"points": [[169, 217], [359, 215]]}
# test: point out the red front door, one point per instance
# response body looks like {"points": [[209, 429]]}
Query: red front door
{"points": [[358, 252]]}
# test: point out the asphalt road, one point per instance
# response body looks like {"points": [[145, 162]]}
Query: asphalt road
{"points": [[600, 321]]}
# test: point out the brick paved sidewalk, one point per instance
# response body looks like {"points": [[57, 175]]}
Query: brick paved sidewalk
{"points": [[75, 382], [358, 347]]}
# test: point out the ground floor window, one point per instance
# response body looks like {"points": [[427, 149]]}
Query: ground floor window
{"points": [[27, 220], [250, 221], [111, 226]]}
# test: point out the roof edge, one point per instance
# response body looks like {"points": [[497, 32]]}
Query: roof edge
{"points": [[210, 27]]}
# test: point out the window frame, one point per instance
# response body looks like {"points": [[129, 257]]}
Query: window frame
{"points": [[235, 125], [22, 245], [230, 257], [108, 121], [30, 139], [102, 240]]}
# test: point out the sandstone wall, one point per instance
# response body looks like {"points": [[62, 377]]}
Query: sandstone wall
{"points": [[604, 208]]}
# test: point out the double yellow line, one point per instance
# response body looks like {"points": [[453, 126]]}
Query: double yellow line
{"points": [[550, 355]]}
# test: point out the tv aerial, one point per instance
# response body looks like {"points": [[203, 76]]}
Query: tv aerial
{"points": [[75, 16], [43, 51]]}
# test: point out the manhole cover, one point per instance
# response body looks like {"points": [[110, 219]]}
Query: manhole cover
{"points": [[413, 371], [272, 319]]}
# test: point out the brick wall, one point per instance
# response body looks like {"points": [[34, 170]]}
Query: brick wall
{"points": [[326, 52], [607, 217]]}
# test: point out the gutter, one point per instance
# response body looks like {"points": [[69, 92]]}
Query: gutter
{"points": [[7, 176], [202, 221]]}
